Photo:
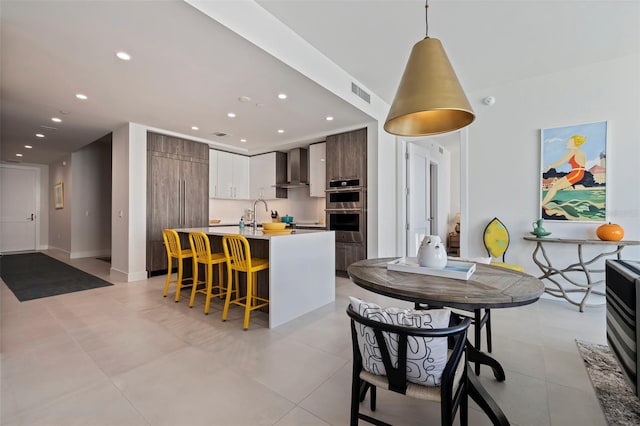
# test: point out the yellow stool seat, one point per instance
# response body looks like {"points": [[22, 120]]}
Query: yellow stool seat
{"points": [[238, 254], [174, 251], [201, 247]]}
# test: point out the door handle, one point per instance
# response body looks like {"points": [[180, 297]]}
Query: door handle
{"points": [[31, 218]]}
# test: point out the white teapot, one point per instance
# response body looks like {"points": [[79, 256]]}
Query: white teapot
{"points": [[432, 253]]}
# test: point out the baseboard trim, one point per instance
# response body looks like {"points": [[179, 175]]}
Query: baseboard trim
{"points": [[90, 253], [118, 275]]}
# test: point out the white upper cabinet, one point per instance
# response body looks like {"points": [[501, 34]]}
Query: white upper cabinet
{"points": [[230, 176], [241, 176], [267, 170], [224, 173], [317, 169]]}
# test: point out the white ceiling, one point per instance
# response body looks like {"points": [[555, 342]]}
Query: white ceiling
{"points": [[188, 70], [489, 42]]}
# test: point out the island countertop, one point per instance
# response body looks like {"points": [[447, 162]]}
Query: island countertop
{"points": [[248, 232], [301, 274]]}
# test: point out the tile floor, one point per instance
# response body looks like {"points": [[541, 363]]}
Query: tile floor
{"points": [[124, 355]]}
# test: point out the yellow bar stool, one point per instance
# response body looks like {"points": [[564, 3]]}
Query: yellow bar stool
{"points": [[238, 254], [201, 247], [174, 251]]}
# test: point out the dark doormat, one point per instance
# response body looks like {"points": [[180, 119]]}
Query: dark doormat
{"points": [[619, 405], [36, 275]]}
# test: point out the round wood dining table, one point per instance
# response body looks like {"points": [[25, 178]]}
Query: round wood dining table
{"points": [[489, 287]]}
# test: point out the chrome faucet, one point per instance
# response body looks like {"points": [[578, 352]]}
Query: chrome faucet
{"points": [[254, 211]]}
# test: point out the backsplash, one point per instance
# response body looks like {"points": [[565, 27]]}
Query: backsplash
{"points": [[299, 205]]}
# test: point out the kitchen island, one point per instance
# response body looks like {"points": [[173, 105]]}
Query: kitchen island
{"points": [[301, 274]]}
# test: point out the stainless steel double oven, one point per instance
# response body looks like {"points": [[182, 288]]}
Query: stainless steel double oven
{"points": [[346, 210]]}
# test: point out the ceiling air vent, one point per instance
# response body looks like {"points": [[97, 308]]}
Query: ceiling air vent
{"points": [[48, 128], [220, 134], [360, 92]]}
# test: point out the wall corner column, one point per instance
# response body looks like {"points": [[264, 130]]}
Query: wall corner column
{"points": [[128, 203]]}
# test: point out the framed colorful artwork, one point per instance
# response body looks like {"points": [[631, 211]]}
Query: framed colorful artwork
{"points": [[58, 195], [573, 184]]}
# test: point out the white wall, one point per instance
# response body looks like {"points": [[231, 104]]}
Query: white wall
{"points": [[504, 153], [442, 158], [91, 209], [60, 219], [298, 204], [82, 227], [454, 176]]}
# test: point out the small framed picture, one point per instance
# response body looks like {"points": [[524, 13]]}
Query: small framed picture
{"points": [[58, 195], [573, 184]]}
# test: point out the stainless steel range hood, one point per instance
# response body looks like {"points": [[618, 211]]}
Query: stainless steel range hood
{"points": [[297, 169]]}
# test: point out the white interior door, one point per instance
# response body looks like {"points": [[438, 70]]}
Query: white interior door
{"points": [[418, 196], [18, 202]]}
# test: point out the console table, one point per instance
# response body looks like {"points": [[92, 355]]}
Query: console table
{"points": [[585, 286]]}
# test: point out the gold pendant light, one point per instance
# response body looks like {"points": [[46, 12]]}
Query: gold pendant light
{"points": [[429, 99]]}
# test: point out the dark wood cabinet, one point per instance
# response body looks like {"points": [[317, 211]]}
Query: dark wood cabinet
{"points": [[177, 148], [346, 159], [346, 156], [177, 191], [453, 247], [348, 253]]}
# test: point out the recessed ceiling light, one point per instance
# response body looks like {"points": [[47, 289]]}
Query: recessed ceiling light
{"points": [[123, 55], [18, 155], [28, 146], [56, 119], [282, 96], [231, 114], [81, 96], [322, 159], [243, 140], [280, 131], [244, 99], [194, 127], [329, 118], [39, 135]]}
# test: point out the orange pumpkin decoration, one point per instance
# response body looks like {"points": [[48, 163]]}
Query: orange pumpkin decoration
{"points": [[610, 232]]}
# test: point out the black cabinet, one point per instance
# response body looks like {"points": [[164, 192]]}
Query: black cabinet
{"points": [[177, 191]]}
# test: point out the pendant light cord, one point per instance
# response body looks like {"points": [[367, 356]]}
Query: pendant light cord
{"points": [[426, 18]]}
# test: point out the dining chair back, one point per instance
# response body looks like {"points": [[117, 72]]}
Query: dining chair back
{"points": [[201, 248], [451, 393], [238, 256], [174, 251], [496, 241]]}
